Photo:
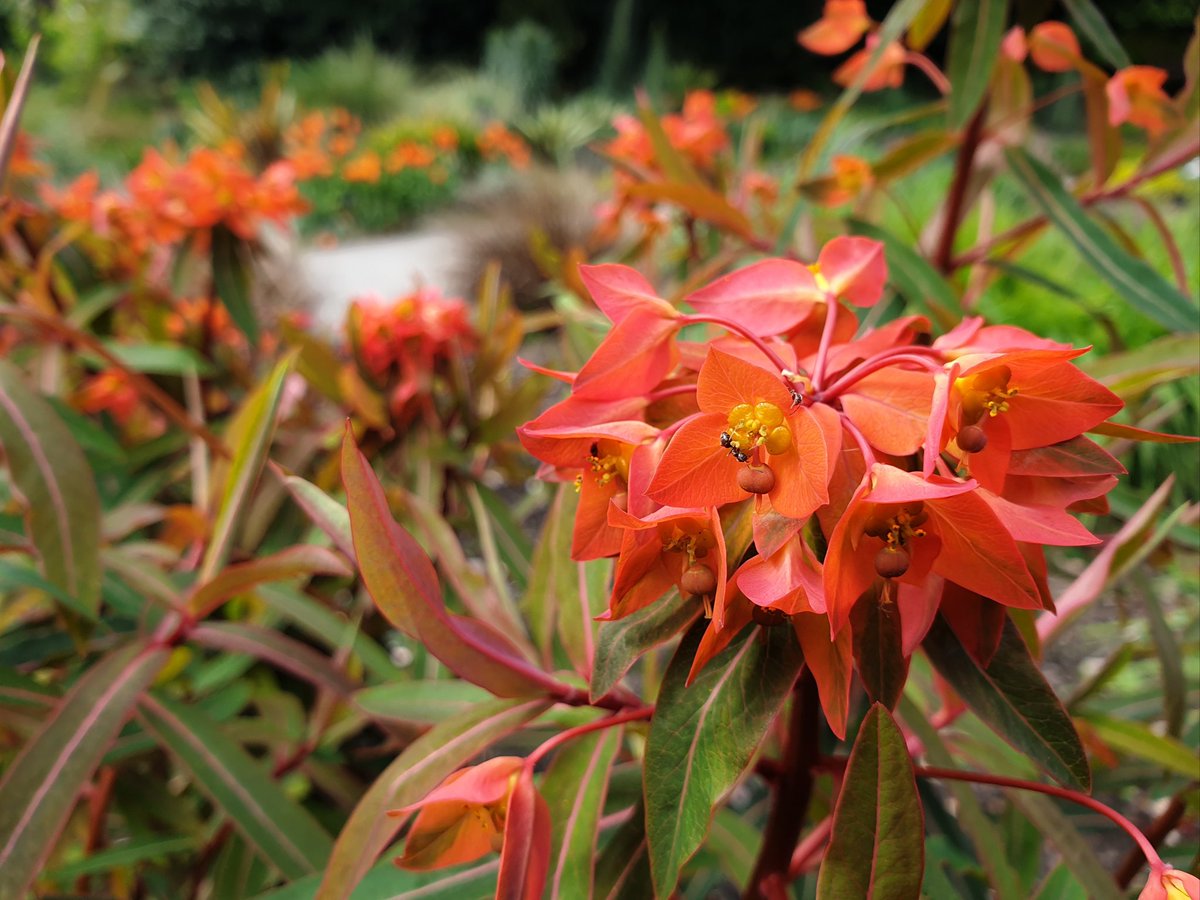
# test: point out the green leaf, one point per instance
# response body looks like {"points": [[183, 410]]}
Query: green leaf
{"points": [[419, 769], [41, 785], [21, 690], [1076, 853], [282, 830], [274, 647], [878, 648], [1091, 25], [621, 643], [1138, 740], [1170, 665], [927, 23], [385, 881], [158, 359], [735, 842], [969, 813], [231, 279], [704, 735], [325, 512], [136, 852], [420, 702], [975, 35], [913, 275], [52, 475], [877, 847], [623, 869], [16, 102], [17, 575], [575, 788], [1014, 699], [249, 437], [1134, 279]]}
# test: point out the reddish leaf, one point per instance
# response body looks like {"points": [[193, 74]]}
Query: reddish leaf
{"points": [[619, 290], [702, 202], [855, 269], [878, 645], [768, 297], [634, 357], [977, 622], [831, 660], [403, 584], [1117, 430], [1076, 457], [1054, 47], [877, 848], [696, 470], [525, 857], [842, 24], [238, 579], [892, 409]]}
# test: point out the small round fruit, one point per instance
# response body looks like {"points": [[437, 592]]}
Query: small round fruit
{"points": [[971, 439], [891, 562], [756, 479], [698, 579]]}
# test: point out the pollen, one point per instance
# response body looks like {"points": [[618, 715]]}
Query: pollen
{"points": [[987, 393], [607, 466], [754, 426]]}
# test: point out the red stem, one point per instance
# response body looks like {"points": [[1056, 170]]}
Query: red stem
{"points": [[860, 439], [734, 327], [831, 311], [671, 392], [642, 712], [874, 364], [926, 65], [955, 205]]}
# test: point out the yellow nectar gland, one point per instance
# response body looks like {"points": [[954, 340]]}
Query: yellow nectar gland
{"points": [[607, 462], [750, 427], [987, 393], [691, 538]]}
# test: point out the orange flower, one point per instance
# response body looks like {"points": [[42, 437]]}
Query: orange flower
{"points": [[841, 25], [1054, 47], [1136, 96], [888, 72], [445, 137], [496, 142], [365, 167], [463, 818], [804, 100], [108, 391], [1170, 884], [851, 176], [410, 154]]}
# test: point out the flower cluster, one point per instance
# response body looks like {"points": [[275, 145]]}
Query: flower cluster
{"points": [[167, 198], [403, 344], [881, 466]]}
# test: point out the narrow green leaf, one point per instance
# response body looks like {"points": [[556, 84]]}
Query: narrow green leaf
{"points": [[621, 643], [384, 881], [249, 437], [575, 788], [969, 813], [420, 702], [975, 34], [704, 735], [1076, 853], [623, 869], [136, 852], [282, 830], [52, 475], [1014, 699], [1091, 24], [231, 278], [158, 359], [21, 690], [1138, 740], [1139, 283], [418, 770], [877, 847], [553, 581], [40, 787], [325, 512], [277, 649], [927, 23], [735, 842], [1170, 665]]}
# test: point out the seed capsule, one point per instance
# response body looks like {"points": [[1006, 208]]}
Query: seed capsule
{"points": [[971, 439], [891, 562], [756, 479], [698, 579]]}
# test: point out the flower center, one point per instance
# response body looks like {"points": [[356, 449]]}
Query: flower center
{"points": [[694, 540], [751, 427], [608, 463], [898, 525], [987, 393]]}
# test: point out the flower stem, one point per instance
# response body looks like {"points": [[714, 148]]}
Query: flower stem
{"points": [[674, 391], [737, 329], [874, 364], [955, 205], [793, 789], [831, 311], [632, 715], [861, 440]]}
